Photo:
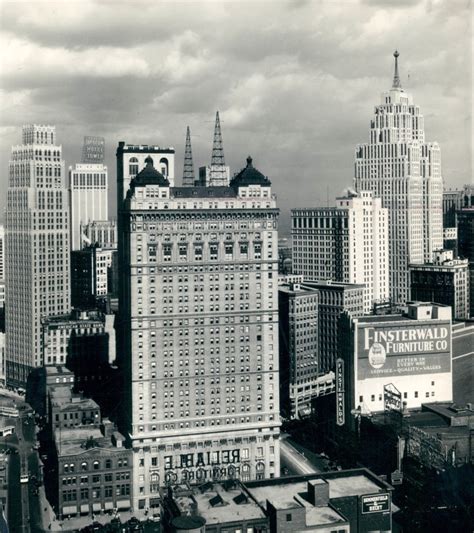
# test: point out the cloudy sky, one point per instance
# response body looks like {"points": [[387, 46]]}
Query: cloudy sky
{"points": [[295, 82]]}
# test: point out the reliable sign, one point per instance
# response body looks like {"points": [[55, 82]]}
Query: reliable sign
{"points": [[405, 349], [340, 412], [375, 503]]}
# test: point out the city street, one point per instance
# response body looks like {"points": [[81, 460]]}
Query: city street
{"points": [[298, 461], [23, 505]]}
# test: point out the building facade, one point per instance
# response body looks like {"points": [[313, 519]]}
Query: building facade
{"points": [[88, 189], [444, 281], [92, 275], [199, 316], [454, 200], [404, 170], [101, 232], [37, 248], [334, 300], [2, 265], [347, 243], [465, 221], [397, 360], [298, 309]]}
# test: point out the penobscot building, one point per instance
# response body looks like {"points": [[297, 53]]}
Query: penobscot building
{"points": [[199, 323], [405, 172], [37, 248]]}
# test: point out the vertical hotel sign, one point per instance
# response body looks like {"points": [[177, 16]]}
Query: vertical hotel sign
{"points": [[340, 412]]}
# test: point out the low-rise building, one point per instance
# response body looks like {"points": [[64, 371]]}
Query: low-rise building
{"points": [[212, 508], [94, 471], [352, 501], [444, 281]]}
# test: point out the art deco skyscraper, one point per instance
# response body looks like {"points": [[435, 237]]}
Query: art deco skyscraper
{"points": [[405, 172], [37, 248], [199, 316]]}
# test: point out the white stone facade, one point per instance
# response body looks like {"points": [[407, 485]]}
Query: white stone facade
{"points": [[404, 170], [199, 316], [37, 248], [88, 186]]}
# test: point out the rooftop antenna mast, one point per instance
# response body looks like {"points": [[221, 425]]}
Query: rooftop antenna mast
{"points": [[188, 170]]}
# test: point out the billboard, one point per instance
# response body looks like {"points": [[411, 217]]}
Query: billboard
{"points": [[340, 411], [409, 348], [375, 503]]}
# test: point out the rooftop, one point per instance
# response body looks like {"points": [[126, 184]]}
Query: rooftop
{"points": [[333, 284], [75, 441], [217, 504]]}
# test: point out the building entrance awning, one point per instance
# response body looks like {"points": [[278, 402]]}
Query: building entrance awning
{"points": [[69, 509], [123, 504], [85, 508], [96, 507], [108, 506]]}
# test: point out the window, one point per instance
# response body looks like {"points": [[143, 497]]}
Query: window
{"points": [[96, 465], [133, 166], [108, 463], [288, 517]]}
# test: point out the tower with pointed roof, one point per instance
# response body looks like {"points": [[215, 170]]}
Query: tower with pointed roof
{"points": [[218, 173], [188, 170], [404, 170]]}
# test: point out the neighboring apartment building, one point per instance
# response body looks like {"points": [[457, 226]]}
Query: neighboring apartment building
{"points": [[199, 320], [404, 170], [37, 248], [334, 300], [444, 281], [347, 243]]}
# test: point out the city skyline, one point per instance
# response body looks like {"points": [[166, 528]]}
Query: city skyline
{"points": [[295, 83]]}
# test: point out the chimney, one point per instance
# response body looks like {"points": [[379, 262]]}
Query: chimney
{"points": [[318, 492]]}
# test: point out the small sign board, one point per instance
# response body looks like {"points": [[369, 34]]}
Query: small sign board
{"points": [[340, 411], [396, 477], [375, 503]]}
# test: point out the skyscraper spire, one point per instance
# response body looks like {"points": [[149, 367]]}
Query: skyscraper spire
{"points": [[217, 148], [188, 171], [396, 78]]}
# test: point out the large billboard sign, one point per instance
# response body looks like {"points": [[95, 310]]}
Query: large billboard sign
{"points": [[405, 349]]}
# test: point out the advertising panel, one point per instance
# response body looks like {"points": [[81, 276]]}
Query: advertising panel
{"points": [[340, 392], [386, 350], [375, 503]]}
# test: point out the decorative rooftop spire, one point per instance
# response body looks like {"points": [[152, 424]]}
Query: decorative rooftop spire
{"points": [[217, 148], [188, 171], [396, 78]]}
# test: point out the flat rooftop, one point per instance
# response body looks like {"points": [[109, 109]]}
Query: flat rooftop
{"points": [[217, 505], [72, 441]]}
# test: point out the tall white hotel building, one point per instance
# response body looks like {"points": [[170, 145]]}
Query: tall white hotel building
{"points": [[347, 243], [37, 248], [405, 172], [199, 315]]}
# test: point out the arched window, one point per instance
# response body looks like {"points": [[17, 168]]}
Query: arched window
{"points": [[245, 472], [96, 465], [84, 466], [164, 166], [133, 166]]}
